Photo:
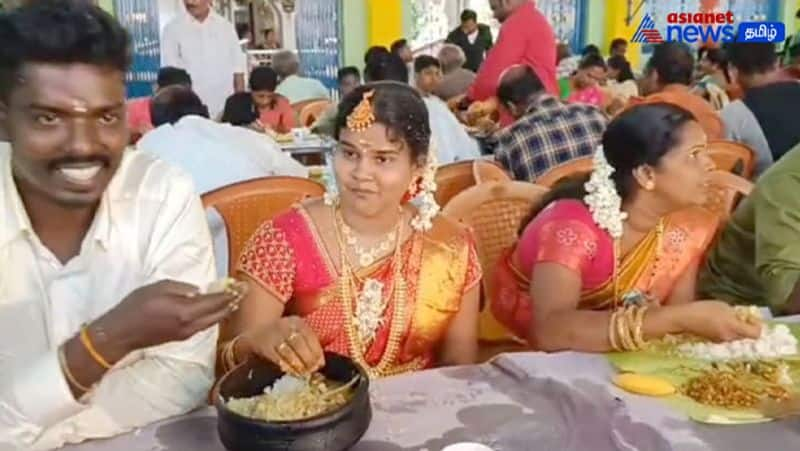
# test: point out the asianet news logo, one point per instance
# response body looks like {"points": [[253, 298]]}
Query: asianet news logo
{"points": [[703, 27]]}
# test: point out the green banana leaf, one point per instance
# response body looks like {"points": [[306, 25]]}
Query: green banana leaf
{"points": [[677, 370]]}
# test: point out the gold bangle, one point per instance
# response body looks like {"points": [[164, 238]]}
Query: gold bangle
{"points": [[62, 361], [229, 353], [630, 322], [612, 332], [87, 343], [624, 331], [638, 336]]}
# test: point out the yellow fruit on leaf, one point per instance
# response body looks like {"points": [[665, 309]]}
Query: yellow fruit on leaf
{"points": [[644, 385]]}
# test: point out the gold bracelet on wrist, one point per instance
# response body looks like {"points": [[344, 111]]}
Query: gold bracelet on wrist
{"points": [[62, 361], [229, 353], [638, 335], [612, 330], [622, 329], [89, 345], [630, 323]]}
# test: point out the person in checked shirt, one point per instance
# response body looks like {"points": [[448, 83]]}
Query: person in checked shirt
{"points": [[547, 132]]}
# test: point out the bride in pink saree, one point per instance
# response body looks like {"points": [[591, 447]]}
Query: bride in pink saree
{"points": [[369, 275]]}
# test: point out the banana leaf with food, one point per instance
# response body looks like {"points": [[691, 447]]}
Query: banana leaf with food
{"points": [[662, 361]]}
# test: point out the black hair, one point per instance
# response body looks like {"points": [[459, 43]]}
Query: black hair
{"points": [[673, 62], [59, 32], [374, 52], [268, 31], [399, 108], [468, 14], [751, 57], [618, 42], [518, 86], [639, 136], [386, 67], [618, 62], [169, 76], [350, 71], [175, 102], [797, 14], [717, 56], [590, 49], [592, 60], [423, 62], [263, 78], [398, 45], [242, 29], [240, 110]]}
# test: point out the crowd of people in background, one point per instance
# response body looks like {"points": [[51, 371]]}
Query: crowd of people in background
{"points": [[88, 221]]}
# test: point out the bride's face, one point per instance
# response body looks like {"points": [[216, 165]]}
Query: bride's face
{"points": [[373, 171]]}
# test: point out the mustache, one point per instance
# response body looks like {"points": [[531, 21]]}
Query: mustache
{"points": [[92, 159]]}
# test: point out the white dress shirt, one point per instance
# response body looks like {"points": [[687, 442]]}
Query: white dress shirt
{"points": [[452, 141], [216, 155], [209, 51], [149, 227]]}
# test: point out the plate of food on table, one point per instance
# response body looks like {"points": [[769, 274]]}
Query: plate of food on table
{"points": [[736, 382]]}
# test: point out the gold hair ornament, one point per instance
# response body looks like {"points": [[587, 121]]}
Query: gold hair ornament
{"points": [[363, 116]]}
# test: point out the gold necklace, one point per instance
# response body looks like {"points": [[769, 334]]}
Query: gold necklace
{"points": [[618, 260], [347, 289], [367, 255]]}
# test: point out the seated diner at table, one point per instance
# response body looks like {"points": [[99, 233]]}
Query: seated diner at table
{"points": [[261, 108], [364, 273], [104, 252], [610, 260]]}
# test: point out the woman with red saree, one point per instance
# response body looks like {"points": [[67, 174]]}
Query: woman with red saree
{"points": [[365, 274], [611, 261]]}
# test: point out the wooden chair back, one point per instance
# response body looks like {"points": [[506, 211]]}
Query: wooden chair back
{"points": [[494, 211], [312, 111], [725, 191], [246, 205], [453, 178], [297, 107], [565, 170], [733, 157]]}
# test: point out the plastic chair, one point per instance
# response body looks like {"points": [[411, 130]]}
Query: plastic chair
{"points": [[724, 193], [454, 178], [565, 170], [245, 205], [733, 157], [494, 210], [312, 111]]}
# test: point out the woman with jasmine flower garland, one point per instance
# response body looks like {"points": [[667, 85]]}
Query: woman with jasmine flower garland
{"points": [[364, 273], [611, 262]]}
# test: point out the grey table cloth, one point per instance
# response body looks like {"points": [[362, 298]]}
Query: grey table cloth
{"points": [[517, 402]]}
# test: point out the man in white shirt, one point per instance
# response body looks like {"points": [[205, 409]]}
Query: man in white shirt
{"points": [[293, 86], [102, 326], [214, 154], [206, 45]]}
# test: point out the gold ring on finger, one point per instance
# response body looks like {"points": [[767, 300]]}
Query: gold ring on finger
{"points": [[283, 346], [293, 336]]}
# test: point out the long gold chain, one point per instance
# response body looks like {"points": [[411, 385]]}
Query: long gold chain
{"points": [[618, 259], [347, 289]]}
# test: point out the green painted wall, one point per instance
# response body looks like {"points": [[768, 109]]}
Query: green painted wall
{"points": [[596, 23], [107, 5], [789, 10], [407, 18], [354, 24]]}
